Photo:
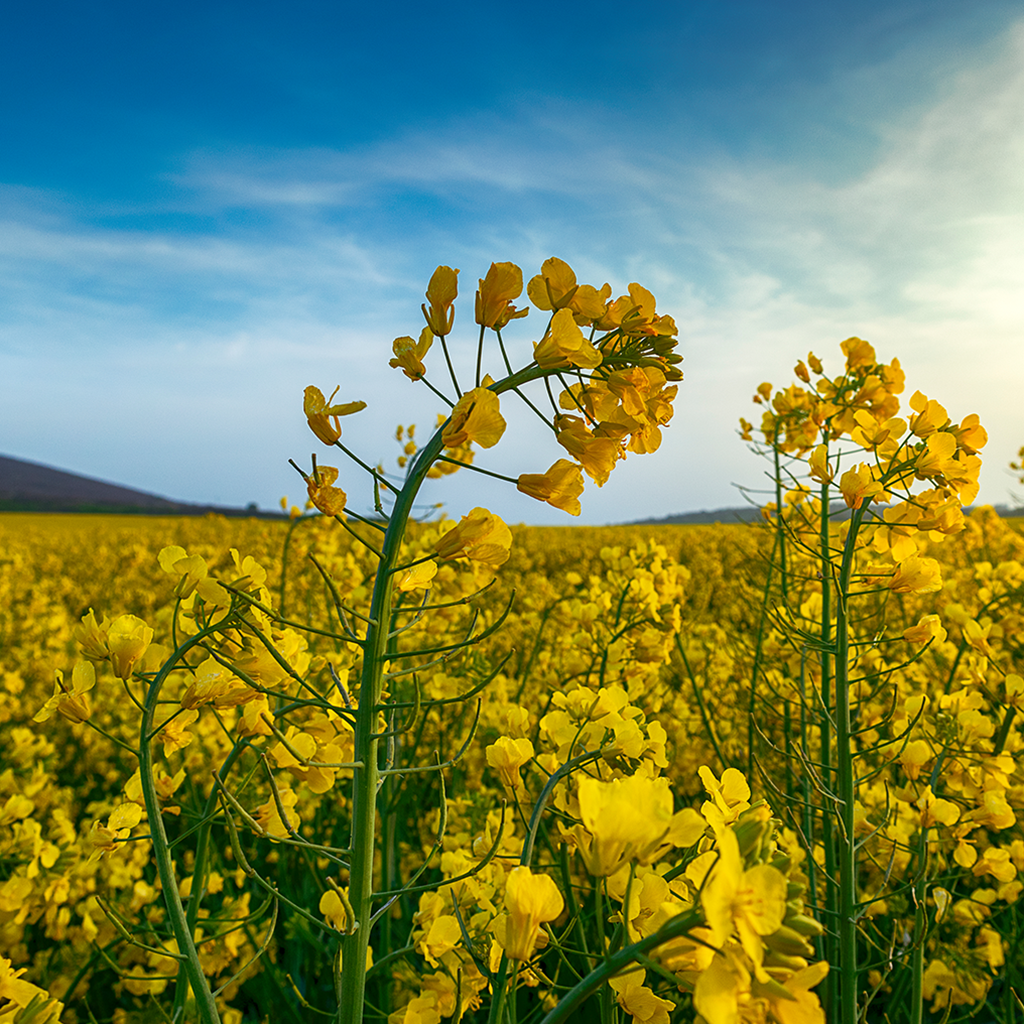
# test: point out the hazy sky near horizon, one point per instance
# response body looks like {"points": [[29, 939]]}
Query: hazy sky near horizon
{"points": [[207, 206]]}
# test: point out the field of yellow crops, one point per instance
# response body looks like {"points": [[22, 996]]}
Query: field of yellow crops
{"points": [[650, 645], [361, 768]]}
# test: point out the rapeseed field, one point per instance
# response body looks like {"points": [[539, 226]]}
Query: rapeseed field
{"points": [[357, 768]]}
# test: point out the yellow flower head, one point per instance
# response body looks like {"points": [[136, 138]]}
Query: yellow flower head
{"points": [[970, 435], [858, 353], [565, 345], [631, 819], [560, 486], [416, 577], [322, 417], [749, 903], [818, 465], [214, 684], [92, 636], [190, 569], [530, 901], [936, 458], [73, 704], [127, 639], [555, 286], [640, 1001], [597, 455], [507, 756], [929, 628], [328, 499], [502, 284], [441, 294], [18, 994], [481, 537], [409, 354], [930, 415], [916, 575], [859, 483], [476, 417]]}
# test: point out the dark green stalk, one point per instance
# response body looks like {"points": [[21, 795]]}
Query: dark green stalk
{"points": [[846, 789], [618, 962], [367, 779], [828, 832], [206, 1006]]}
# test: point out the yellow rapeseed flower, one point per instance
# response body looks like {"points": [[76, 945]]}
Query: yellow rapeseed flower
{"points": [[565, 345], [507, 756], [476, 417], [502, 283], [442, 291], [409, 354], [323, 417], [597, 455], [325, 496], [127, 639], [72, 703], [749, 903], [631, 819], [554, 287], [416, 577], [916, 575], [480, 536], [530, 901], [560, 486]]}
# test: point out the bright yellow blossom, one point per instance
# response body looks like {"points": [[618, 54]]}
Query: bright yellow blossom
{"points": [[554, 287], [751, 903], [565, 345], [502, 283], [929, 628], [631, 819], [190, 569], [916, 575], [323, 417], [859, 483], [409, 354], [476, 417], [416, 577], [560, 486], [442, 291], [638, 1000], [480, 536], [930, 415], [16, 994], [127, 639], [92, 637], [818, 465], [507, 756], [530, 901], [73, 704], [325, 496], [597, 455]]}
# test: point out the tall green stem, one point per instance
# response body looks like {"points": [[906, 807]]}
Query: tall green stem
{"points": [[206, 1006], [367, 778], [830, 940], [846, 848]]}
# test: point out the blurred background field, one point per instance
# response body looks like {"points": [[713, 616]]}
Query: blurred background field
{"points": [[672, 615]]}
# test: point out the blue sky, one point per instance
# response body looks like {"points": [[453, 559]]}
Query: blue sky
{"points": [[207, 206]]}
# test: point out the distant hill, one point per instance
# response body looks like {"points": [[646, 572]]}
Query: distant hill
{"points": [[745, 514], [750, 514], [32, 487]]}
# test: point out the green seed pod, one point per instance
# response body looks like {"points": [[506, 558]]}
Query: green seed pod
{"points": [[789, 943]]}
